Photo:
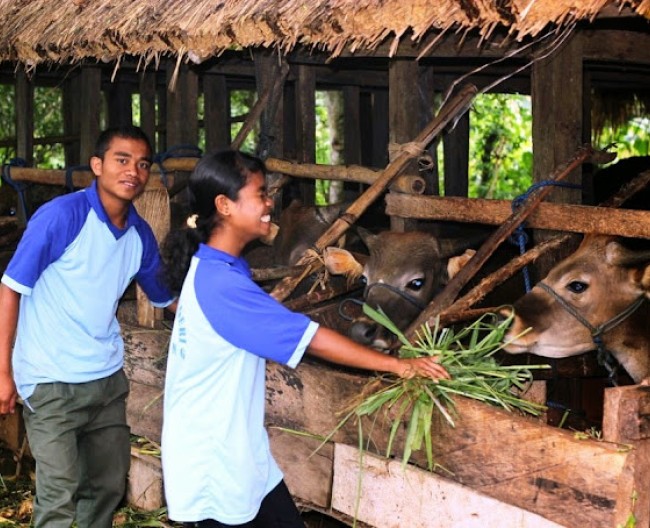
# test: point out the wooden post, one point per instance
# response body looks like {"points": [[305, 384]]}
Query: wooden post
{"points": [[120, 107], [90, 108], [404, 116], [182, 111], [557, 91], [216, 116], [306, 124], [626, 420], [72, 116], [148, 105], [24, 118]]}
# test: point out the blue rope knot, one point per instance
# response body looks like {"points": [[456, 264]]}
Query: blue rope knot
{"points": [[177, 151], [519, 236]]}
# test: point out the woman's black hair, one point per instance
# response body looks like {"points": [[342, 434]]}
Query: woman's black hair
{"points": [[222, 172]]}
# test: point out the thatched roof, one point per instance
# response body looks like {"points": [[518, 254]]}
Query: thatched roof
{"points": [[35, 31]]}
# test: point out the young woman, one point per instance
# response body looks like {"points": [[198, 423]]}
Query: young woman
{"points": [[218, 468]]}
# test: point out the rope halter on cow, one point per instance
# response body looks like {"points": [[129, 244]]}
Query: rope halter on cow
{"points": [[605, 356], [400, 293]]}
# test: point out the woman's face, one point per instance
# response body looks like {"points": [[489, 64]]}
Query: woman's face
{"points": [[251, 212]]}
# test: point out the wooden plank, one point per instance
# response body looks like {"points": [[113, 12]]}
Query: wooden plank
{"points": [[393, 496], [308, 473], [509, 457], [144, 410], [145, 354], [565, 217]]}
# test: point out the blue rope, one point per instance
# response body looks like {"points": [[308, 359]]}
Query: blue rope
{"points": [[177, 151], [19, 186], [69, 183], [519, 236]]}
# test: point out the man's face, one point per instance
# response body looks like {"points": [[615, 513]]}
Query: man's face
{"points": [[124, 171]]}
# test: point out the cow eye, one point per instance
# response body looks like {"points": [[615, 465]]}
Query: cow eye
{"points": [[415, 284], [577, 286], [363, 280]]}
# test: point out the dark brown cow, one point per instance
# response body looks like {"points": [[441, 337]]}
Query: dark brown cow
{"points": [[300, 226], [595, 298]]}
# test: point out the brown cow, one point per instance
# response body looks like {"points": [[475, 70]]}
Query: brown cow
{"points": [[597, 298], [402, 274]]}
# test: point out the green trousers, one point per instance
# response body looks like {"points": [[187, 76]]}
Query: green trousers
{"points": [[79, 438]]}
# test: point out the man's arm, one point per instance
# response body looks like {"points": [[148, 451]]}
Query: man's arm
{"points": [[9, 306]]}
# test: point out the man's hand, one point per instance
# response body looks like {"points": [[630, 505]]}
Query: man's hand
{"points": [[8, 394]]}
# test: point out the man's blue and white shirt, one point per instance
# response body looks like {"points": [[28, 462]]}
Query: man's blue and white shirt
{"points": [[71, 267]]}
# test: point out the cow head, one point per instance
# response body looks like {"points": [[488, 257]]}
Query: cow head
{"points": [[402, 274], [300, 226], [597, 289]]}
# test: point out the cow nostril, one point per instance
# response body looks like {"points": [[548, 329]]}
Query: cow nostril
{"points": [[363, 332]]}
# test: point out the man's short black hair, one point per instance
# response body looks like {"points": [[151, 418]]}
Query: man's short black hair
{"points": [[125, 131]]}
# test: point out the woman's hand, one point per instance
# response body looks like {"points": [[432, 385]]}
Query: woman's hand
{"points": [[427, 367]]}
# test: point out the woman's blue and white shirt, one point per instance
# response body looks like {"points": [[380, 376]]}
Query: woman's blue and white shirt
{"points": [[216, 458]]}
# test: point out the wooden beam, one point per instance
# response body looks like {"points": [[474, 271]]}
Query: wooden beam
{"points": [[559, 217]]}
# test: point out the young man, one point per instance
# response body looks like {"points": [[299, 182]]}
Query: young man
{"points": [[59, 298]]}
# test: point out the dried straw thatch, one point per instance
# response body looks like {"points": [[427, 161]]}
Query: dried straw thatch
{"points": [[36, 31]]}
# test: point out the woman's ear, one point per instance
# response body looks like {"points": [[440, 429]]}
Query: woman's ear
{"points": [[222, 205]]}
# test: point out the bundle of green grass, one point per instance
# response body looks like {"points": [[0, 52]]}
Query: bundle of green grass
{"points": [[468, 355]]}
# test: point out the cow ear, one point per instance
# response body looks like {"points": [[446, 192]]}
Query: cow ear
{"points": [[645, 281], [618, 254], [367, 237], [455, 264], [268, 239], [342, 262]]}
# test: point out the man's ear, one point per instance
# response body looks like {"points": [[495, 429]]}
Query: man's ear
{"points": [[96, 165]]}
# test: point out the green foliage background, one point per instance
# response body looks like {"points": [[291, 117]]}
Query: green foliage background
{"points": [[500, 136]]}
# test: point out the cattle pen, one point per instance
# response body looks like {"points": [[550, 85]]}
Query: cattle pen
{"points": [[408, 74]]}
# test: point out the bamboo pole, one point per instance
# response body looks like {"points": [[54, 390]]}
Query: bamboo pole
{"points": [[411, 184], [452, 110], [445, 299]]}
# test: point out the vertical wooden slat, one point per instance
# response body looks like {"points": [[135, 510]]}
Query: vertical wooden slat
{"points": [[90, 104], [306, 123], [456, 149], [182, 114], [24, 118], [557, 109], [147, 88], [216, 117], [404, 117], [72, 118], [120, 108], [380, 128]]}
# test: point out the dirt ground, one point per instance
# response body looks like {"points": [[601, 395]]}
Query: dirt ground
{"points": [[17, 493]]}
